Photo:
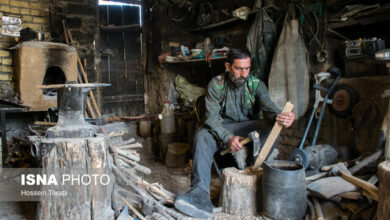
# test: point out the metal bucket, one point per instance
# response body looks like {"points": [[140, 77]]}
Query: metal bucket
{"points": [[284, 190]]}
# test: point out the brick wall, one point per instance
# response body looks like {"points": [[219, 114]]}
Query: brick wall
{"points": [[34, 14]]}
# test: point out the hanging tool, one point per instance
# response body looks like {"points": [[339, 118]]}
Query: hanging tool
{"points": [[299, 155]]}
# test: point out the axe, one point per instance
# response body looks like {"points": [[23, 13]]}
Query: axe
{"points": [[252, 136]]}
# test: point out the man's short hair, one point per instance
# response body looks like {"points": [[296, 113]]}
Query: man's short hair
{"points": [[237, 54]]}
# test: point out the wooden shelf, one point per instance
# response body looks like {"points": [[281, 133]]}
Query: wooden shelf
{"points": [[361, 21], [220, 24], [195, 61], [120, 28]]}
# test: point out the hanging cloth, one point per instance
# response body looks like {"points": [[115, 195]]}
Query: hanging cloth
{"points": [[289, 78], [260, 43]]}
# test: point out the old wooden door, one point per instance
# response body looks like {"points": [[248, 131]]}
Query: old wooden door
{"points": [[120, 48]]}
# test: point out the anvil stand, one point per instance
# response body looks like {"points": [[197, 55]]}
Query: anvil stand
{"points": [[71, 122], [72, 147]]}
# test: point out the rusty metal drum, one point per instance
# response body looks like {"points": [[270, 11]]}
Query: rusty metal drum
{"points": [[284, 190]]}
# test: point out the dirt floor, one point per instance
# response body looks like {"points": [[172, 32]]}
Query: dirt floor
{"points": [[177, 180]]}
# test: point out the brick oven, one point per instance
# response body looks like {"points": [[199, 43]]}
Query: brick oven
{"points": [[42, 63]]}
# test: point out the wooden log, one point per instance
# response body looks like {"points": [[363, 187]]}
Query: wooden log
{"points": [[130, 146], [128, 155], [311, 209], [135, 211], [137, 166], [158, 191], [317, 207], [76, 157], [240, 192], [164, 140], [176, 154], [383, 211]]}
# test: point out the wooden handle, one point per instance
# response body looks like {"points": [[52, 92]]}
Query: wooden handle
{"points": [[271, 139], [84, 76], [243, 142], [371, 188]]}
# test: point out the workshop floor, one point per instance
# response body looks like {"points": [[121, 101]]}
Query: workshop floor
{"points": [[177, 180]]}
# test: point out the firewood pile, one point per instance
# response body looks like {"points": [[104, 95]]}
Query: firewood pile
{"points": [[346, 190], [19, 153], [130, 192]]}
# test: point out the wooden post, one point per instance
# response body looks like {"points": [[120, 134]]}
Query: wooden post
{"points": [[383, 211], [78, 156], [240, 193]]}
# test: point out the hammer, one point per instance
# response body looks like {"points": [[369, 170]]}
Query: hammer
{"points": [[252, 136]]}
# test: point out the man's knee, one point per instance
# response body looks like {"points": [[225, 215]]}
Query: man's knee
{"points": [[203, 135], [204, 140]]}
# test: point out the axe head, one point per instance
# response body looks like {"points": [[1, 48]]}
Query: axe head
{"points": [[255, 137]]}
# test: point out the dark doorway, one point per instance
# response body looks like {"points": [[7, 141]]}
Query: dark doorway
{"points": [[120, 48]]}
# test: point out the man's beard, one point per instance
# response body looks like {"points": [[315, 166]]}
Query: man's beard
{"points": [[238, 82]]}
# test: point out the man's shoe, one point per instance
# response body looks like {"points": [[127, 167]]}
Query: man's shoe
{"points": [[195, 203]]}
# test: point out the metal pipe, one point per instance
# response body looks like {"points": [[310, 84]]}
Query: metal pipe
{"points": [[323, 109]]}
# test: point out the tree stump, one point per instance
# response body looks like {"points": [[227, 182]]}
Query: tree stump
{"points": [[383, 211], [164, 140], [176, 155], [76, 156], [240, 193]]}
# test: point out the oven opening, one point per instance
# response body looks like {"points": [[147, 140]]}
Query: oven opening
{"points": [[54, 75]]}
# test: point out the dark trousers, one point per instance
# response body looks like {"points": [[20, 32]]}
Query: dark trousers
{"points": [[205, 146]]}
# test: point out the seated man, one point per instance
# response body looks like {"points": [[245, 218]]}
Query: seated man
{"points": [[233, 103]]}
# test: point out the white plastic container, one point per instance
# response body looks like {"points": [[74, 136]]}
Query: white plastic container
{"points": [[168, 120]]}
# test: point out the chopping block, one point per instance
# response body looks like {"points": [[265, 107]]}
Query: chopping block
{"points": [[241, 192]]}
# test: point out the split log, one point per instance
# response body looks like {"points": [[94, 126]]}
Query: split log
{"points": [[311, 209], [137, 166], [240, 192], [135, 211], [317, 207], [383, 212], [157, 190], [130, 146], [128, 155]]}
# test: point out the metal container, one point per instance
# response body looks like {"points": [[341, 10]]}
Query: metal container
{"points": [[284, 190]]}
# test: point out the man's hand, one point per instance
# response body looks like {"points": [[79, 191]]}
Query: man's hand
{"points": [[234, 143], [286, 119]]}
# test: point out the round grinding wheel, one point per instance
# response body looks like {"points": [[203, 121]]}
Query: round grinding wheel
{"points": [[344, 99], [300, 156]]}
